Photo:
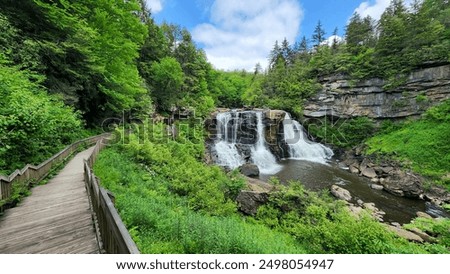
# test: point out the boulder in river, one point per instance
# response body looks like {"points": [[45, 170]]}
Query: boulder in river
{"points": [[377, 187], [341, 193], [250, 170], [423, 215], [369, 173], [354, 169]]}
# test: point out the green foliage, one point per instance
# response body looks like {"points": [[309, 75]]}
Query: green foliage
{"points": [[177, 161], [167, 77], [85, 49], [33, 125], [342, 132], [326, 226], [164, 220], [424, 143], [229, 87], [438, 228]]}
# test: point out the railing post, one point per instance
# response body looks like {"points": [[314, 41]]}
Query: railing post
{"points": [[36, 174], [114, 236]]}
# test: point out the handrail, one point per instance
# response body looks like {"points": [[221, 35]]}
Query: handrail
{"points": [[114, 237], [37, 173]]}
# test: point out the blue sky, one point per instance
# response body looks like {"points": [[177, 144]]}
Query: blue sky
{"points": [[237, 34]]}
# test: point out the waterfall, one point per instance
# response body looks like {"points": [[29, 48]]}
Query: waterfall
{"points": [[238, 129], [241, 139], [226, 149], [261, 156], [300, 148], [228, 155]]}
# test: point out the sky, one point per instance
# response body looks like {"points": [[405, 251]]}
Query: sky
{"points": [[237, 34]]}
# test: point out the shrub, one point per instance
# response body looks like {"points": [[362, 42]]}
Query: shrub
{"points": [[33, 124]]}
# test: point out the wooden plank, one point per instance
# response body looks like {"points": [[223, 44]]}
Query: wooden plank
{"points": [[43, 231], [64, 240], [37, 173], [17, 223], [56, 218]]}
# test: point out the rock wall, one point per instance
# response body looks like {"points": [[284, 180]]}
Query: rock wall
{"points": [[342, 98]]}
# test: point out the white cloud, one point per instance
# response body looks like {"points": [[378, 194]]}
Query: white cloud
{"points": [[242, 33], [376, 9], [154, 5], [331, 40]]}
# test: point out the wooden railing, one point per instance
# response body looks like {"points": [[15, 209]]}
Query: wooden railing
{"points": [[114, 237], [35, 174]]}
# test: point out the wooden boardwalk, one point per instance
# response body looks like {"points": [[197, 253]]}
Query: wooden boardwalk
{"points": [[55, 218]]}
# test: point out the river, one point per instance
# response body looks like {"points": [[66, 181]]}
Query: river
{"points": [[240, 138], [317, 176]]}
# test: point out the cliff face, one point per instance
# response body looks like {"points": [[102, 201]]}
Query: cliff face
{"points": [[340, 97]]}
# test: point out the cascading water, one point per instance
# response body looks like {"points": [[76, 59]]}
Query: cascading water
{"points": [[300, 148], [261, 156], [241, 139], [227, 152], [245, 130]]}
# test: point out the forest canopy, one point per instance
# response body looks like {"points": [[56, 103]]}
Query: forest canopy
{"points": [[97, 59]]}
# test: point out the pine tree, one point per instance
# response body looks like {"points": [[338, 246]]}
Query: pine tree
{"points": [[319, 34], [286, 52], [303, 48], [335, 43], [275, 55], [360, 33]]}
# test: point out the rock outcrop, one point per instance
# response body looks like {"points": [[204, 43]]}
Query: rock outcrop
{"points": [[341, 97], [405, 234], [273, 122], [340, 193], [392, 177], [250, 201], [257, 194]]}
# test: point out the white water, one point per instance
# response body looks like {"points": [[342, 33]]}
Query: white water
{"points": [[228, 155], [300, 148], [227, 152], [261, 156]]}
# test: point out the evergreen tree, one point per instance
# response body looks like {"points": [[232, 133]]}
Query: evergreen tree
{"points": [[286, 52], [335, 43], [303, 47], [360, 33], [275, 55], [319, 34], [393, 38]]}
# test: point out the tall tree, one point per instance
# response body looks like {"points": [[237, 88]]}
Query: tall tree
{"points": [[335, 42], [275, 55], [392, 38], [319, 34], [360, 33], [166, 81], [286, 52]]}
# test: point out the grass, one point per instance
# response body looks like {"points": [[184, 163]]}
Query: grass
{"points": [[422, 145], [163, 222], [173, 203]]}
